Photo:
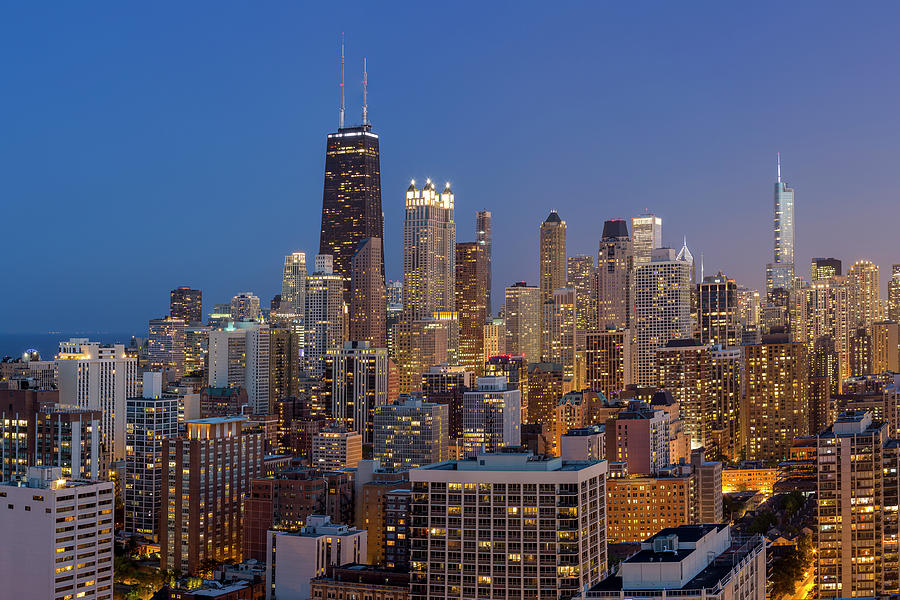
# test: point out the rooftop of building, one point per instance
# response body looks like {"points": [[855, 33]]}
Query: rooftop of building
{"points": [[585, 431], [720, 562], [366, 574], [46, 478], [216, 420], [511, 460]]}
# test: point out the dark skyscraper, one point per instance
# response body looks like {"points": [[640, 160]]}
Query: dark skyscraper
{"points": [[351, 200], [483, 237], [186, 304]]}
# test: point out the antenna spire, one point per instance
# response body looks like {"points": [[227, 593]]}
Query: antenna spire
{"points": [[365, 106], [779, 167], [341, 122]]}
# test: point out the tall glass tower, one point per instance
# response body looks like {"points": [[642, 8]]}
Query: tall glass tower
{"points": [[351, 200], [780, 272]]}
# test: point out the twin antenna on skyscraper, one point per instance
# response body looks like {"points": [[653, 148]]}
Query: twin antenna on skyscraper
{"points": [[365, 82]]}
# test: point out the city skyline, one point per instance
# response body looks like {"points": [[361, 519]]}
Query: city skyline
{"points": [[169, 139]]}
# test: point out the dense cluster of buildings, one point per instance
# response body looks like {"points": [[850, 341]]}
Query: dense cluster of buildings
{"points": [[356, 437]]}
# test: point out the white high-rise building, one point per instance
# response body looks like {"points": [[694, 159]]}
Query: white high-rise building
{"points": [[296, 557], [58, 537], [429, 252], [150, 419], [239, 357], [540, 529], [92, 375], [325, 315], [492, 416], [358, 378], [293, 285], [662, 309], [646, 236]]}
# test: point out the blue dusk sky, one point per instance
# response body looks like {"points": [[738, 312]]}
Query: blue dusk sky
{"points": [[145, 146]]}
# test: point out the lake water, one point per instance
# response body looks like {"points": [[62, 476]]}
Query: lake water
{"points": [[14, 344]]}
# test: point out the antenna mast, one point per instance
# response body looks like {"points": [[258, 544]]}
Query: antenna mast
{"points": [[341, 122], [779, 167], [365, 106]]}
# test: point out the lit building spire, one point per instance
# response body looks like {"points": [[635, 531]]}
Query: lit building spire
{"points": [[365, 106], [779, 167], [341, 121]]}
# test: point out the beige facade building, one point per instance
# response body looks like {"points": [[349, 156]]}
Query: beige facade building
{"points": [[523, 320]]}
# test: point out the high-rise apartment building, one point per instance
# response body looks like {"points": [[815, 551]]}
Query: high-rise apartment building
{"points": [[552, 255], [484, 237], [19, 410], [357, 377], [207, 473], [893, 297], [166, 346], [780, 272], [196, 348], [429, 252], [324, 315], [521, 549], [411, 434], [726, 385], [615, 263], [150, 419], [101, 377], [583, 279], [285, 347], [662, 309], [491, 417], [446, 384], [776, 389], [608, 360], [640, 506], [239, 357], [853, 522], [420, 345], [560, 330], [823, 269], [351, 198], [335, 448], [885, 346], [471, 293], [718, 319], [546, 385], [552, 263], [639, 437], [58, 537], [293, 286], [69, 438], [684, 368], [862, 285], [523, 320], [368, 301], [245, 307], [646, 231], [186, 304]]}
